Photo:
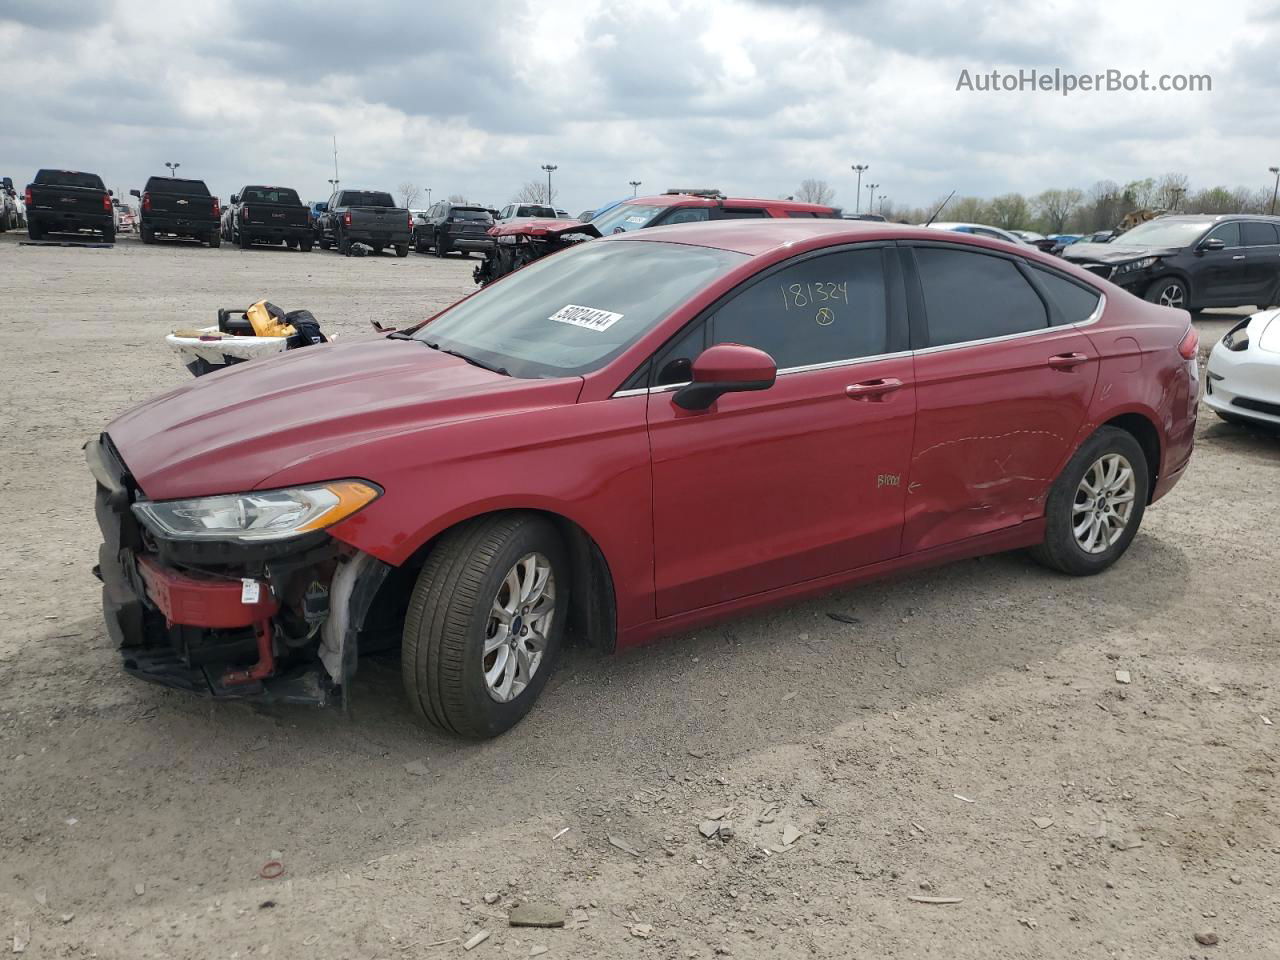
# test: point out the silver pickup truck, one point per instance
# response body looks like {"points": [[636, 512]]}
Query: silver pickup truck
{"points": [[364, 216]]}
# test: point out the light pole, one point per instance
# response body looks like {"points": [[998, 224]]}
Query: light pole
{"points": [[1275, 189], [333, 184], [173, 168], [428, 196], [635, 185], [549, 167], [871, 189], [857, 197]]}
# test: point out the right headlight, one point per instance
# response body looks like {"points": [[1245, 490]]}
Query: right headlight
{"points": [[259, 514]]}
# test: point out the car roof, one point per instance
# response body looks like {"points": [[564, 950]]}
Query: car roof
{"points": [[697, 200], [952, 224], [757, 237], [1211, 217]]}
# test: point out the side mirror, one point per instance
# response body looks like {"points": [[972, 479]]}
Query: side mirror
{"points": [[1213, 243], [235, 198], [111, 193], [322, 206], [726, 368], [135, 193]]}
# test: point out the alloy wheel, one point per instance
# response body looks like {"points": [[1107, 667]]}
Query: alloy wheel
{"points": [[516, 632], [1103, 503], [1172, 295]]}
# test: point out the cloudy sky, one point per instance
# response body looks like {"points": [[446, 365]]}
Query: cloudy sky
{"points": [[750, 96]]}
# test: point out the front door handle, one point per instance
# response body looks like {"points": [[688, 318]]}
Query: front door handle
{"points": [[1067, 361], [1238, 256], [872, 389]]}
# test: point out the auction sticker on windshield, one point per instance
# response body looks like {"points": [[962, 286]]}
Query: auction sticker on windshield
{"points": [[588, 317]]}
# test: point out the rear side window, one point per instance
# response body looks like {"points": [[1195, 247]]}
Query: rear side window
{"points": [[69, 178], [971, 296], [687, 215], [820, 310], [1258, 234], [1075, 301], [741, 213]]}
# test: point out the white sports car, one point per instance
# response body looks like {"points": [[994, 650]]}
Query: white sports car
{"points": [[1244, 371]]}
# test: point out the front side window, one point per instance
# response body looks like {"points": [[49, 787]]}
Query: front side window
{"points": [[973, 296], [1228, 233], [687, 215], [571, 313], [820, 310], [742, 213]]}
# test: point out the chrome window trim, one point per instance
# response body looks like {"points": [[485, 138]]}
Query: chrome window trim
{"points": [[785, 371], [1091, 319]]}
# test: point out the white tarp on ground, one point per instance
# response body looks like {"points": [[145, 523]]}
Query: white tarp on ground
{"points": [[216, 351]]}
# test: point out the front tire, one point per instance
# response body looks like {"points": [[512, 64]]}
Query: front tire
{"points": [[1169, 292], [1096, 505], [485, 624]]}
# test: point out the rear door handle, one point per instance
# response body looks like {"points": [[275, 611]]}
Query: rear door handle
{"points": [[1067, 361], [1239, 256], [872, 389]]}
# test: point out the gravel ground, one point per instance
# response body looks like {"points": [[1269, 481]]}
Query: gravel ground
{"points": [[959, 734]]}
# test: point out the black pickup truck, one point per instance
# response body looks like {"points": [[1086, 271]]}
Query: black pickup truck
{"points": [[269, 215], [365, 216], [182, 208], [67, 201]]}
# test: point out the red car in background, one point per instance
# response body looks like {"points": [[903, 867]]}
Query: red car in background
{"points": [[635, 437], [522, 241]]}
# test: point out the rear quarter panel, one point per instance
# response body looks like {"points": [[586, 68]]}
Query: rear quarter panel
{"points": [[1141, 372]]}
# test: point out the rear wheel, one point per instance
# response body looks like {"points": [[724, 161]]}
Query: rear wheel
{"points": [[402, 249], [305, 245], [485, 623], [324, 242], [109, 235], [344, 246], [215, 240], [1169, 292], [420, 245], [441, 245], [148, 235], [33, 230], [1096, 505], [245, 241]]}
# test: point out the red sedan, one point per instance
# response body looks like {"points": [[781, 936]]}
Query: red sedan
{"points": [[634, 437]]}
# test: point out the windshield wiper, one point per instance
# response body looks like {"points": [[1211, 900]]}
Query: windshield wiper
{"points": [[471, 360]]}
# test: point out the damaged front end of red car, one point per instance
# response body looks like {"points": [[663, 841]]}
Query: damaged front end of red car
{"points": [[522, 241]]}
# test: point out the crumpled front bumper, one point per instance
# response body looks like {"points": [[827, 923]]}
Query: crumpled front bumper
{"points": [[217, 619]]}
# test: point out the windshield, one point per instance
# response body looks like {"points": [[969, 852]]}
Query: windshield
{"points": [[624, 217], [269, 195], [365, 198], [68, 178], [1163, 233], [574, 311]]}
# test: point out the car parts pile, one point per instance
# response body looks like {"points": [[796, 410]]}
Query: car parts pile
{"points": [[258, 331]]}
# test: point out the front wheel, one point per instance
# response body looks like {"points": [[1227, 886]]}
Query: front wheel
{"points": [[485, 624], [1096, 505], [1169, 292]]}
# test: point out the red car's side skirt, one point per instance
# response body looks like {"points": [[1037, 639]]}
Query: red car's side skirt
{"points": [[1011, 538]]}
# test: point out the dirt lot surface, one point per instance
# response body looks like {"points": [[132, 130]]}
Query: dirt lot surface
{"points": [[956, 734]]}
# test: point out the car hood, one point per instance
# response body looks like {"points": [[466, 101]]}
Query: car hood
{"points": [[531, 227], [234, 430], [1110, 253], [1264, 329]]}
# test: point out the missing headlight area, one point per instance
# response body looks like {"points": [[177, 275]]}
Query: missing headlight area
{"points": [[275, 619]]}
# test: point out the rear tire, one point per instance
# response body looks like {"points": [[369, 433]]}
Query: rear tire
{"points": [[148, 235], [441, 246], [244, 240], [1072, 515], [215, 241], [420, 245], [304, 246], [402, 249], [344, 246], [324, 243], [109, 235], [33, 231], [474, 573]]}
